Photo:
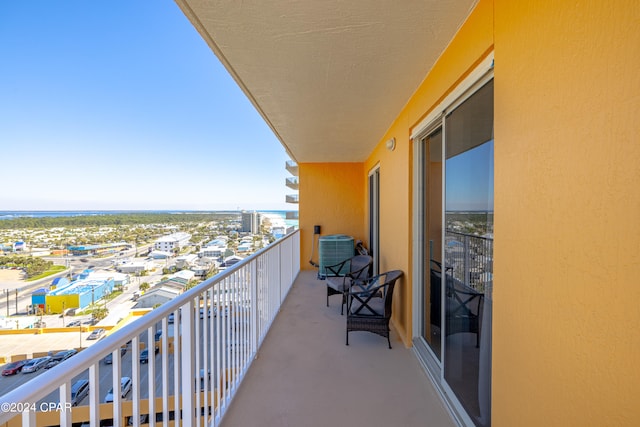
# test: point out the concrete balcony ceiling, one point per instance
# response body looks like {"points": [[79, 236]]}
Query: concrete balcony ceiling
{"points": [[329, 77]]}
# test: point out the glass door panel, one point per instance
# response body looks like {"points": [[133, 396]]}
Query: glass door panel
{"points": [[468, 248], [374, 219], [432, 282]]}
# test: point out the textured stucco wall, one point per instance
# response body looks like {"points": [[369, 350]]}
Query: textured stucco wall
{"points": [[332, 196], [567, 206]]}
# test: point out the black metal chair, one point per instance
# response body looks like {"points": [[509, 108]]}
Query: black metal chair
{"points": [[463, 304], [341, 276], [369, 304], [464, 307]]}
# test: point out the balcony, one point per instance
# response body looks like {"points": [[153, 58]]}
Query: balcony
{"points": [[292, 182], [304, 375], [292, 198], [292, 167], [292, 215]]}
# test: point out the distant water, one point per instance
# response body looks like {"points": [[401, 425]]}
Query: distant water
{"points": [[40, 214]]}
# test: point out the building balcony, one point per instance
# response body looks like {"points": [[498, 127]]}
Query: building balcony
{"points": [[292, 182], [292, 215], [292, 167], [292, 198], [305, 374]]}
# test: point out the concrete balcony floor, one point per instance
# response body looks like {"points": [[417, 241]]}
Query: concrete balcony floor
{"points": [[305, 375]]}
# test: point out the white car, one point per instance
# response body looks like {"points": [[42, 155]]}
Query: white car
{"points": [[35, 364], [125, 388]]}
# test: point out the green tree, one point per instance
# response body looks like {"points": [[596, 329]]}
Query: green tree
{"points": [[99, 313]]}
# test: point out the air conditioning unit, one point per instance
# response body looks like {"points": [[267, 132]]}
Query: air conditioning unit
{"points": [[332, 250]]}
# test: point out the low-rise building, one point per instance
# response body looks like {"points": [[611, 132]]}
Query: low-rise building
{"points": [[157, 295], [185, 261], [229, 261], [135, 267], [107, 248], [172, 241], [77, 294], [160, 254], [182, 275]]}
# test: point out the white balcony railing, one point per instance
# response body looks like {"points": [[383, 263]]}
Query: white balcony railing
{"points": [[219, 325]]}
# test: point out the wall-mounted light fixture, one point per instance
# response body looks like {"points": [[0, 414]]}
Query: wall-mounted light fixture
{"points": [[391, 144]]}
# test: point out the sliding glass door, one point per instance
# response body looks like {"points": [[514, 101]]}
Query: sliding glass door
{"points": [[454, 249]]}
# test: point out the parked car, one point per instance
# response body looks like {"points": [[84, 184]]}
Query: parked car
{"points": [[125, 388], [108, 359], [96, 334], [14, 367], [79, 390], [35, 364], [144, 354], [59, 357], [171, 317]]}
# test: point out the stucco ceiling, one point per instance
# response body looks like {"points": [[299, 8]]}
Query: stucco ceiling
{"points": [[328, 76]]}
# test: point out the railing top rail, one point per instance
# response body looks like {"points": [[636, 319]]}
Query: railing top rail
{"points": [[90, 356], [449, 231]]}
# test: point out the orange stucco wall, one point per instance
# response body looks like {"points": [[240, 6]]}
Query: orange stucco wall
{"points": [[332, 196], [566, 344]]}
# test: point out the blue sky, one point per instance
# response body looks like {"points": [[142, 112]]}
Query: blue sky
{"points": [[469, 180], [121, 105]]}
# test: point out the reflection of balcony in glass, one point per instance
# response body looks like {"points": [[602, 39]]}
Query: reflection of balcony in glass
{"points": [[292, 198], [471, 258]]}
